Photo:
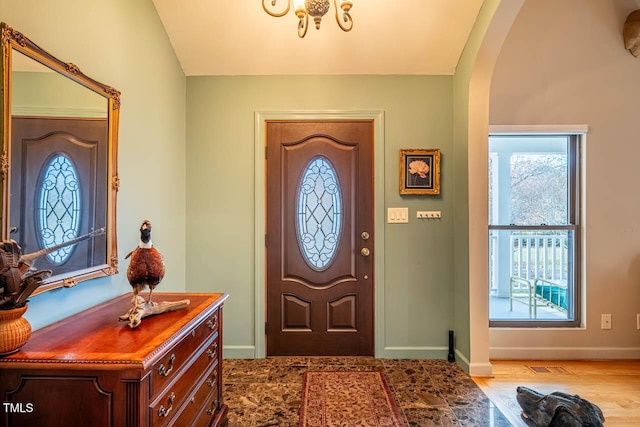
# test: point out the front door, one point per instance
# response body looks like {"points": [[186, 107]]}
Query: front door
{"points": [[319, 242], [56, 164]]}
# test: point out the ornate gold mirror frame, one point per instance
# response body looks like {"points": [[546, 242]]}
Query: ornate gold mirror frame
{"points": [[98, 254]]}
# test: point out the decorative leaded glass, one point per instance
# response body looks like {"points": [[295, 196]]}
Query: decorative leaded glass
{"points": [[319, 213], [58, 209]]}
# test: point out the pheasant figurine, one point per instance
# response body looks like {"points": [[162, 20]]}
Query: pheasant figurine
{"points": [[146, 268]]}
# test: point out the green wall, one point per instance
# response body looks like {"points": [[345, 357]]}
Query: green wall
{"points": [[418, 257], [123, 44], [464, 72], [472, 83], [461, 204], [51, 94]]}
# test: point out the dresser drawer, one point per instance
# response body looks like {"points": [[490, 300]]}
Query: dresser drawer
{"points": [[163, 409], [209, 411], [204, 400], [175, 360]]}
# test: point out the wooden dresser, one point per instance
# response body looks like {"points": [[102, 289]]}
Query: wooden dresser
{"points": [[92, 370]]}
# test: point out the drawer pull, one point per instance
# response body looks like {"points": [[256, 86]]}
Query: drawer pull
{"points": [[214, 406], [213, 379], [213, 352], [163, 371], [162, 411], [213, 323]]}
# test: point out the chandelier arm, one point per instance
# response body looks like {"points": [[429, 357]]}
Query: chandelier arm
{"points": [[346, 17], [273, 3], [303, 25]]}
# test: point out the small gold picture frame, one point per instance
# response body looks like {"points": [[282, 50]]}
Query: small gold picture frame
{"points": [[419, 171]]}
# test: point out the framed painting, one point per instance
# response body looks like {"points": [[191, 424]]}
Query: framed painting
{"points": [[420, 171]]}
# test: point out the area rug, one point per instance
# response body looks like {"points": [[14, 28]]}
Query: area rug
{"points": [[348, 399]]}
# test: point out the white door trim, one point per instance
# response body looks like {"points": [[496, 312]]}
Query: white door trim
{"points": [[260, 214]]}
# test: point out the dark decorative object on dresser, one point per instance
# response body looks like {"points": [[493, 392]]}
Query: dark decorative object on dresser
{"points": [[89, 370], [18, 281]]}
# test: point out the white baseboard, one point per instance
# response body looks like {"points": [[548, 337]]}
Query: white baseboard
{"points": [[462, 361], [249, 352], [239, 352], [474, 369], [481, 369], [439, 352], [391, 352], [564, 353]]}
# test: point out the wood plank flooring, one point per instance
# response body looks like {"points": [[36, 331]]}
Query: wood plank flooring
{"points": [[612, 385]]}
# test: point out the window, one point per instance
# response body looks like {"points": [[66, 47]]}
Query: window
{"points": [[58, 208], [319, 213], [534, 230]]}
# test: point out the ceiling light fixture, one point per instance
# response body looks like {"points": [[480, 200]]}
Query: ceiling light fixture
{"points": [[316, 8]]}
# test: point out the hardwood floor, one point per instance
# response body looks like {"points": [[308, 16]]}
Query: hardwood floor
{"points": [[612, 385]]}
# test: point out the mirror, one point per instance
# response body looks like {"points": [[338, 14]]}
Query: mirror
{"points": [[58, 163]]}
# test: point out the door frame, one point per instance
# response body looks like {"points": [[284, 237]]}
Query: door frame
{"points": [[260, 213]]}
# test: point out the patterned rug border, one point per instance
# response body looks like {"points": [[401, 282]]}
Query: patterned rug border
{"points": [[395, 408]]}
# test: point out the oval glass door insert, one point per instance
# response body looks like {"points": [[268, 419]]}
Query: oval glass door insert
{"points": [[58, 209], [319, 213]]}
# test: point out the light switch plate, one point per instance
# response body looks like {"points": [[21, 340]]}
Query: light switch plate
{"points": [[397, 215]]}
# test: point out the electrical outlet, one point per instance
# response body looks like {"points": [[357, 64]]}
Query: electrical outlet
{"points": [[605, 322]]}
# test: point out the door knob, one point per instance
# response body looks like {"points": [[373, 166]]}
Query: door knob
{"points": [[364, 235], [365, 251]]}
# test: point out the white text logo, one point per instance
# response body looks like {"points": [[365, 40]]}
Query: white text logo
{"points": [[17, 407]]}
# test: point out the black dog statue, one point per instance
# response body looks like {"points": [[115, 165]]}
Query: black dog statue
{"points": [[557, 410]]}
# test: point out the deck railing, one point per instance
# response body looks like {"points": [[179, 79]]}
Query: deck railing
{"points": [[540, 256], [532, 256]]}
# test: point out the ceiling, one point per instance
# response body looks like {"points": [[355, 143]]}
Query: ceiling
{"points": [[220, 37]]}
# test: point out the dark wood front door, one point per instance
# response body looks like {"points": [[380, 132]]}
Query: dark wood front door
{"points": [[56, 165], [320, 238]]}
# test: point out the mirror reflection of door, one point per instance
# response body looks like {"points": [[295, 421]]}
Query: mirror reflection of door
{"points": [[58, 167], [320, 282]]}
